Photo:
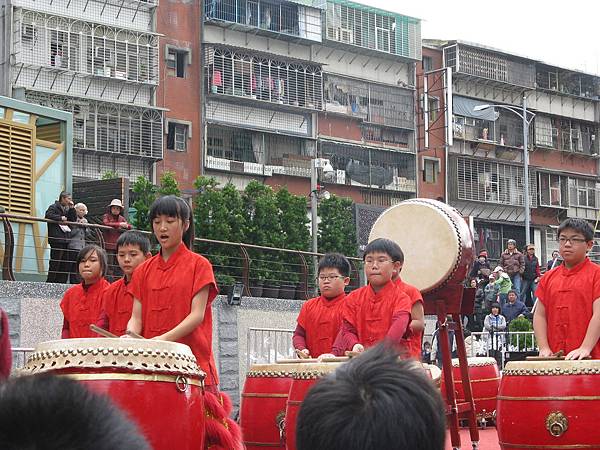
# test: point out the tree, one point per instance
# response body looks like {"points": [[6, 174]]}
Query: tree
{"points": [[294, 229], [168, 185], [145, 194], [337, 232], [110, 175]]}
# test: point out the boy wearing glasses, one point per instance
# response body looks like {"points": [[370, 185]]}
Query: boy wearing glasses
{"points": [[379, 310], [320, 317], [567, 316]]}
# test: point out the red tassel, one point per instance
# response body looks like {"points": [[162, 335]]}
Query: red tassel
{"points": [[222, 433]]}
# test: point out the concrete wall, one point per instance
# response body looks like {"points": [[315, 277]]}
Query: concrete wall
{"points": [[35, 316]]}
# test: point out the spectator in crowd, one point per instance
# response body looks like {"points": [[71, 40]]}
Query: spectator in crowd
{"points": [[476, 320], [495, 325], [514, 308], [436, 349], [504, 285], [531, 276], [79, 235], [114, 219], [513, 263], [55, 412], [481, 267], [490, 293], [555, 261], [5, 349], [58, 237], [373, 402], [426, 352]]}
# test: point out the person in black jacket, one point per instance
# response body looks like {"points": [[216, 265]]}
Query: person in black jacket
{"points": [[58, 237], [531, 277], [481, 267]]}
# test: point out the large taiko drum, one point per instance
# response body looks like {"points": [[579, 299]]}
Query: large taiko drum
{"points": [[157, 383], [428, 227], [304, 378], [549, 405], [263, 404], [485, 381]]}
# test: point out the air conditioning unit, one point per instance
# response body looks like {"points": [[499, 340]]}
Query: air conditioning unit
{"points": [[346, 36], [102, 53]]}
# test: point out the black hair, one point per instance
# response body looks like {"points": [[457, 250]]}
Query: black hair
{"points": [[88, 249], [173, 206], [514, 292], [579, 225], [335, 261], [134, 238], [45, 411], [63, 194], [496, 305], [373, 402], [387, 246]]}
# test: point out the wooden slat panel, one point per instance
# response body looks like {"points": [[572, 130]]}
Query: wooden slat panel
{"points": [[16, 162]]}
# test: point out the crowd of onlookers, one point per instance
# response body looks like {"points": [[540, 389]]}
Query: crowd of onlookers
{"points": [[66, 238]]}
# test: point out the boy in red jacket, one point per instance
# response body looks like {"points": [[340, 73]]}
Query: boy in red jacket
{"points": [[133, 249], [567, 315], [320, 317], [379, 310]]}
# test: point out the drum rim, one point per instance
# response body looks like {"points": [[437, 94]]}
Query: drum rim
{"points": [[553, 367], [477, 361], [432, 204]]}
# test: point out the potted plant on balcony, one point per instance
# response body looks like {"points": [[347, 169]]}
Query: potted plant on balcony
{"points": [[225, 283]]}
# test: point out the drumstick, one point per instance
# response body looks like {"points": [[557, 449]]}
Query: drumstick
{"points": [[301, 354], [133, 334], [352, 354], [102, 331]]}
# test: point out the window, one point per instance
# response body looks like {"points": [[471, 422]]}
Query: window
{"points": [[553, 190], [431, 169], [427, 64], [177, 136], [177, 61], [583, 193], [433, 107]]}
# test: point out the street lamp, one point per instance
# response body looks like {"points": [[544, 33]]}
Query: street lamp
{"points": [[526, 122], [316, 164]]}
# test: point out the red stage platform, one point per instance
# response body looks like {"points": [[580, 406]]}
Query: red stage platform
{"points": [[488, 439]]}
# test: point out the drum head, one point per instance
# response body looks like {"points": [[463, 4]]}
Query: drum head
{"points": [[428, 238]]}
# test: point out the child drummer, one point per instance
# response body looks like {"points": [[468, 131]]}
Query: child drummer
{"points": [[567, 315]]}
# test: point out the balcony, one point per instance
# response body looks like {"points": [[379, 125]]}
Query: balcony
{"points": [[374, 103], [567, 82], [292, 19], [62, 45], [488, 65], [566, 135], [369, 29], [260, 77]]}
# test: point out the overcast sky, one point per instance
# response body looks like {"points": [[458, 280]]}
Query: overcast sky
{"points": [[563, 33]]}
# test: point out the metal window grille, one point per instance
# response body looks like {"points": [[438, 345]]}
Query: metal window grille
{"points": [[584, 193], [86, 48], [394, 136], [89, 166], [288, 18], [490, 65], [553, 190], [487, 181], [572, 83], [385, 105], [109, 127], [387, 32], [241, 74], [471, 129]]}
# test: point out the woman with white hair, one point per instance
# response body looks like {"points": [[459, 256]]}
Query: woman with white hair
{"points": [[77, 241]]}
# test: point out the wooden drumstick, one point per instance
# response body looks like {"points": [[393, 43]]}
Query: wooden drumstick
{"points": [[102, 331], [300, 354], [133, 334]]}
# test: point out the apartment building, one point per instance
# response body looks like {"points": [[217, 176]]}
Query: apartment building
{"points": [[288, 81], [97, 59], [485, 168]]}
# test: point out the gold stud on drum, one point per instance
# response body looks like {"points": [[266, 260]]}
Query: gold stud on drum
{"points": [[557, 423]]}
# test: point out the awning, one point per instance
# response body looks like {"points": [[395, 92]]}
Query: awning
{"points": [[490, 212], [464, 106]]}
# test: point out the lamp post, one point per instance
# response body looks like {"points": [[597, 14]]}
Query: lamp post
{"points": [[315, 165], [522, 113]]}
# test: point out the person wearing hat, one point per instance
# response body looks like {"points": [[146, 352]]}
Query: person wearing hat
{"points": [[513, 263], [504, 284], [114, 219], [495, 325], [481, 267]]}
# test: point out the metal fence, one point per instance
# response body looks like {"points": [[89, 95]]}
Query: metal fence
{"points": [[19, 356], [268, 345]]}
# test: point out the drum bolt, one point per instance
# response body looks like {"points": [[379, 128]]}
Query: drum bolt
{"points": [[116, 351], [84, 352], [105, 352], [94, 352]]}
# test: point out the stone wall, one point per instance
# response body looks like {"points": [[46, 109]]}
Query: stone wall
{"points": [[35, 316]]}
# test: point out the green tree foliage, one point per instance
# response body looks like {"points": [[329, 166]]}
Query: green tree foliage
{"points": [[145, 194], [337, 232], [523, 341], [168, 185], [110, 175], [294, 227]]}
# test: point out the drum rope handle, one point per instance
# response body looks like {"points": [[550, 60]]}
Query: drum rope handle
{"points": [[280, 420], [181, 383]]}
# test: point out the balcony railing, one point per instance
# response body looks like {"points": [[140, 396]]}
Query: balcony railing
{"points": [[282, 18]]}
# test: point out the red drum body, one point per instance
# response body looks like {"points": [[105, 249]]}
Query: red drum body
{"points": [[451, 242], [157, 383], [549, 405], [263, 404], [485, 382], [304, 379]]}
